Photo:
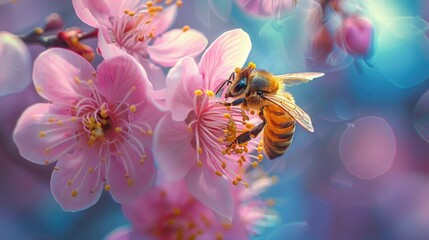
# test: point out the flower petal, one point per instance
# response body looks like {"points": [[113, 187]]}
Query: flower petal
{"points": [[121, 233], [59, 82], [83, 13], [176, 44], [130, 181], [155, 74], [172, 145], [16, 64], [43, 136], [102, 10], [211, 190], [182, 81], [227, 52], [165, 19], [122, 77], [76, 181]]}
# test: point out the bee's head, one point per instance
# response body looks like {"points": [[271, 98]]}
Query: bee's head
{"points": [[236, 87]]}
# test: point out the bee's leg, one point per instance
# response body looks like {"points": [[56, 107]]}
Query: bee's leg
{"points": [[234, 103], [247, 136]]}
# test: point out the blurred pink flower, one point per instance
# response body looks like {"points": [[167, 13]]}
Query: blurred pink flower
{"points": [[15, 64], [356, 36], [169, 211], [98, 125], [266, 8], [190, 140], [141, 30]]}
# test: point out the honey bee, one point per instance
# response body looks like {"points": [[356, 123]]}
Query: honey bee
{"points": [[262, 91]]}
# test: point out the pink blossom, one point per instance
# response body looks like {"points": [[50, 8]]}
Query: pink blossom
{"points": [[356, 36], [169, 211], [97, 125], [190, 141], [141, 30], [15, 64]]}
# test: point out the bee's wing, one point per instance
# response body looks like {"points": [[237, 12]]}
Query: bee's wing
{"points": [[292, 79], [292, 109]]}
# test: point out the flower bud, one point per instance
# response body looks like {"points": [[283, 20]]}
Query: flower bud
{"points": [[53, 22], [356, 36]]}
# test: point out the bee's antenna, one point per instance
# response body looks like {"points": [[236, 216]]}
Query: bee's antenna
{"points": [[229, 81]]}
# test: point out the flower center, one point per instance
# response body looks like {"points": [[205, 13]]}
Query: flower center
{"points": [[215, 128], [97, 124]]}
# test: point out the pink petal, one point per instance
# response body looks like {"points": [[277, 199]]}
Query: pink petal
{"points": [[15, 64], [165, 20], [73, 184], [227, 52], [122, 77], [182, 81], [83, 13], [103, 10], [39, 136], [211, 190], [155, 74], [176, 44], [57, 82], [120, 233], [172, 145], [105, 47], [126, 185]]}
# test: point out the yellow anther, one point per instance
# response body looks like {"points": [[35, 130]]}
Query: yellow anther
{"points": [[77, 80], [223, 164], [103, 113], [179, 3], [59, 122], [252, 112], [130, 182], [118, 129], [220, 139], [51, 120], [56, 169], [270, 202], [149, 132], [177, 211], [218, 173], [126, 11], [185, 28], [246, 184], [255, 164], [149, 4], [260, 157], [90, 82], [168, 1], [131, 13], [148, 21], [210, 93], [227, 115], [252, 65], [42, 134], [74, 193], [39, 89], [250, 125], [219, 236], [237, 70], [91, 170], [133, 108], [38, 31], [238, 178], [107, 187], [200, 150], [198, 92], [199, 163], [235, 182], [73, 119]]}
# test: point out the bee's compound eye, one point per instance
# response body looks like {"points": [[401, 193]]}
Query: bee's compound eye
{"points": [[240, 86]]}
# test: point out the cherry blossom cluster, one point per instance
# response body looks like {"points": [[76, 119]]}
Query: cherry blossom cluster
{"points": [[156, 142]]}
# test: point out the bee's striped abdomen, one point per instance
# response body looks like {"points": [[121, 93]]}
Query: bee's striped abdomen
{"points": [[278, 132]]}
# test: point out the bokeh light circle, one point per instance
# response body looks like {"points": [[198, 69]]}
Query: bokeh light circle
{"points": [[367, 147], [421, 117]]}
